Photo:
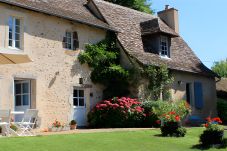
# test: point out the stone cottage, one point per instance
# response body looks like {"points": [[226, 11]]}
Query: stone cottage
{"points": [[52, 33]]}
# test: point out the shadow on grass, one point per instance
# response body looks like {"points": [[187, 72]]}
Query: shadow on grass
{"points": [[218, 146], [158, 135]]}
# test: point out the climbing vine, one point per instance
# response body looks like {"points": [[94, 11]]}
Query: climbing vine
{"points": [[104, 60], [159, 80]]}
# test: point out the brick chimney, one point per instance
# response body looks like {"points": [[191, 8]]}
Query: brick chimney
{"points": [[170, 17]]}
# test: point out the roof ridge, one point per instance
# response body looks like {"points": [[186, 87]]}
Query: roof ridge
{"points": [[130, 9]]}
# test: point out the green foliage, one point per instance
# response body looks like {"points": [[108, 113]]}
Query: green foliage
{"points": [[181, 108], [103, 59], [220, 68], [208, 137], [173, 129], [151, 118], [159, 79], [222, 110], [140, 5]]}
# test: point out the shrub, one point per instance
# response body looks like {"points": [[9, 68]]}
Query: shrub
{"points": [[214, 133], [222, 110], [181, 131], [116, 112], [181, 108], [171, 125], [170, 115], [151, 118]]}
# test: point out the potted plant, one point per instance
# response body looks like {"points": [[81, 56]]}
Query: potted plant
{"points": [[56, 126], [73, 125]]}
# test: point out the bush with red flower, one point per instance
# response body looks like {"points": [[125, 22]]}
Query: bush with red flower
{"points": [[213, 133], [116, 112], [171, 126]]}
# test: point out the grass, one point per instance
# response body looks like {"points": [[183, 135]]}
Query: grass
{"points": [[148, 140]]}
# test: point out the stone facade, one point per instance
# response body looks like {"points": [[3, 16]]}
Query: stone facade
{"points": [[54, 71]]}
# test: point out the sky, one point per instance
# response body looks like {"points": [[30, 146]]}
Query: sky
{"points": [[203, 25]]}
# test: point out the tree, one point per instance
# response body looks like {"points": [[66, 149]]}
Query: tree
{"points": [[220, 68], [140, 5]]}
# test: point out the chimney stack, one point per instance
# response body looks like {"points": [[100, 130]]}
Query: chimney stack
{"points": [[170, 17]]}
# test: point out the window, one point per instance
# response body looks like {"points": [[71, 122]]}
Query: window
{"points": [[78, 98], [164, 52], [14, 32], [71, 41], [22, 93]]}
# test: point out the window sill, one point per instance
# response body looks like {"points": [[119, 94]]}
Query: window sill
{"points": [[165, 57], [72, 52], [15, 49]]}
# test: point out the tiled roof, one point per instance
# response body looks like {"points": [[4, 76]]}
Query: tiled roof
{"points": [[74, 10], [156, 25], [128, 21]]}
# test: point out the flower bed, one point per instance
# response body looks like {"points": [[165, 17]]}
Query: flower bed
{"points": [[213, 134]]}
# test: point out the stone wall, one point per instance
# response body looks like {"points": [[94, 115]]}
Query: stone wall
{"points": [[54, 71]]}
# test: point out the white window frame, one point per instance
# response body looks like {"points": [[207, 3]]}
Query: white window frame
{"points": [[70, 42], [78, 98], [164, 39], [21, 82], [14, 33]]}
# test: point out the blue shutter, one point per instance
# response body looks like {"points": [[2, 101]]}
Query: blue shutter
{"points": [[198, 92]]}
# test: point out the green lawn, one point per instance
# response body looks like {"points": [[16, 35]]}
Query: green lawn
{"points": [[114, 141]]}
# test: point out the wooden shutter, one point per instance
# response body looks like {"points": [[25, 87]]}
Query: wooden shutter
{"points": [[75, 41], [64, 42], [198, 93]]}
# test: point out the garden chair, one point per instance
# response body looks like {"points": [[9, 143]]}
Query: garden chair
{"points": [[5, 121], [27, 124]]}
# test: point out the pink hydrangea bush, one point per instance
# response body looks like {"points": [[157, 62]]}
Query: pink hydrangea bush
{"points": [[117, 112]]}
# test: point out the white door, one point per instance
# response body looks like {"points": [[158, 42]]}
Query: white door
{"points": [[22, 97], [79, 103]]}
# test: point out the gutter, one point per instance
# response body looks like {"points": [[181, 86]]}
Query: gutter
{"points": [[56, 15]]}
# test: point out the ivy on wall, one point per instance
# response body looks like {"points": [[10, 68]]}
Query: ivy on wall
{"points": [[104, 60], [159, 80]]}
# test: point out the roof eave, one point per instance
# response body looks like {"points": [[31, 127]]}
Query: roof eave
{"points": [[56, 15]]}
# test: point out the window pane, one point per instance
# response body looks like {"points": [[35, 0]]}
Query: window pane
{"points": [[17, 29], [18, 100], [17, 36], [10, 35], [10, 43], [11, 23], [17, 44], [68, 34], [81, 93], [81, 102], [18, 88], [25, 99], [75, 102], [75, 93], [17, 22], [25, 88]]}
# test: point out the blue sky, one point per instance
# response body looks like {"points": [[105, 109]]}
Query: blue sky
{"points": [[203, 25]]}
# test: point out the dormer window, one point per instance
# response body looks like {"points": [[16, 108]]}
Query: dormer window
{"points": [[164, 47]]}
